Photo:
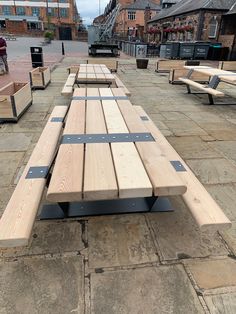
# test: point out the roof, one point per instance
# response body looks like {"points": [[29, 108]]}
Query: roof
{"points": [[185, 6], [142, 4], [232, 10], [28, 18]]}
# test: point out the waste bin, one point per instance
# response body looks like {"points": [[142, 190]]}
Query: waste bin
{"points": [[142, 63], [214, 52], [172, 50], [186, 50], [163, 51], [36, 56], [201, 50]]}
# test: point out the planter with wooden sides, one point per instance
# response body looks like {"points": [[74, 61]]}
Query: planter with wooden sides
{"points": [[40, 77], [15, 98]]}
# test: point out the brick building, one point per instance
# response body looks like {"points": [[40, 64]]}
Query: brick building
{"points": [[133, 17], [33, 17], [190, 20]]}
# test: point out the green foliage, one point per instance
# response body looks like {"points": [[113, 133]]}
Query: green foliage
{"points": [[49, 35]]}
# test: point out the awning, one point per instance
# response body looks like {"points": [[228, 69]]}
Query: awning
{"points": [[28, 18]]}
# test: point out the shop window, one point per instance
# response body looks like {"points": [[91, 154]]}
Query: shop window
{"points": [[131, 15], [6, 10], [33, 26], [213, 26], [2, 24], [20, 10]]}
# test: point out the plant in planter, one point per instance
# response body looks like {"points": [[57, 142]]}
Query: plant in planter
{"points": [[48, 36]]}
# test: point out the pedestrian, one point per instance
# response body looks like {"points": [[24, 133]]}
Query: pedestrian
{"points": [[3, 53]]}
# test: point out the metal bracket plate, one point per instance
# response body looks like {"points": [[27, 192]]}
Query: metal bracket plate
{"points": [[144, 118], [106, 138], [100, 98], [214, 82], [57, 119], [177, 165], [37, 172], [190, 73]]}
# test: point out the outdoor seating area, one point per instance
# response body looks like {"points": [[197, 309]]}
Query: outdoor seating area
{"points": [[101, 148]]}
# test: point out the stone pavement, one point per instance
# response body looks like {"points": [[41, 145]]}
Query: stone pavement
{"points": [[137, 263]]}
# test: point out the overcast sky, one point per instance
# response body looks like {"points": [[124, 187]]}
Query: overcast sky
{"points": [[89, 9]]}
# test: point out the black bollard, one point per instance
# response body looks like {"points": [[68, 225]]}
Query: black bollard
{"points": [[62, 49]]}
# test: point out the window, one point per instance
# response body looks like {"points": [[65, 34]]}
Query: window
{"points": [[20, 10], [213, 25], [63, 1], [33, 26], [51, 11], [63, 12], [131, 15], [35, 11], [6, 10]]}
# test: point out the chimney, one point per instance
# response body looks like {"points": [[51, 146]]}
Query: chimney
{"points": [[147, 17]]}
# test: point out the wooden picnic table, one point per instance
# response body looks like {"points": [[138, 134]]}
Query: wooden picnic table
{"points": [[107, 153], [224, 76], [95, 74]]}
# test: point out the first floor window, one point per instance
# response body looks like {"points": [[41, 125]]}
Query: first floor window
{"points": [[6, 10], [35, 11], [20, 10], [131, 15], [63, 12], [213, 28]]}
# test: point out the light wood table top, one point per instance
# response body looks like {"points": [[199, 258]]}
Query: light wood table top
{"points": [[95, 73], [225, 76], [109, 170]]}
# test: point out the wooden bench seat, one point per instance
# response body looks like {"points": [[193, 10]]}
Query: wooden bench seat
{"points": [[175, 74], [18, 218], [227, 65], [121, 85], [112, 64], [204, 88], [69, 85], [164, 66], [206, 212]]}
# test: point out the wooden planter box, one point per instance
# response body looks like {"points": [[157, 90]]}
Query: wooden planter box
{"points": [[15, 98], [40, 77]]}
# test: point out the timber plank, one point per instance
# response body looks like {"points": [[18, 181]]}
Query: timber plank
{"points": [[18, 218], [131, 176], [206, 212], [161, 173], [67, 177], [99, 173]]}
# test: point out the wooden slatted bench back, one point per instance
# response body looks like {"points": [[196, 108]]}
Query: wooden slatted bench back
{"points": [[110, 63], [175, 74], [227, 65], [18, 218], [164, 66]]}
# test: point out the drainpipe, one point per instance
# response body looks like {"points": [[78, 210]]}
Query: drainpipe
{"points": [[200, 25]]}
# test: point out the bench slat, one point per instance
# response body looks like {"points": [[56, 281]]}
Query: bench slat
{"points": [[167, 65], [205, 210], [153, 159], [121, 85], [68, 87], [99, 173], [175, 74], [132, 178], [68, 170], [202, 87], [18, 218]]}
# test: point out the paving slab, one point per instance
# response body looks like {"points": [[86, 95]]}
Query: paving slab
{"points": [[221, 303], [223, 135], [193, 147], [227, 148], [33, 286], [173, 115], [38, 108], [225, 196], [5, 195], [144, 290], [178, 236], [14, 142], [213, 171], [185, 129], [230, 237], [33, 116], [50, 238], [204, 116], [211, 274], [119, 240], [9, 162], [26, 126]]}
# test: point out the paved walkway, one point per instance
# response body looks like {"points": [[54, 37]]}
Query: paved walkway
{"points": [[129, 264]]}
